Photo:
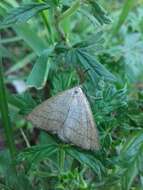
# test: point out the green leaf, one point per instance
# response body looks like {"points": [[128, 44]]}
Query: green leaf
{"points": [[24, 13], [36, 154], [99, 13], [24, 102], [34, 41], [87, 159], [131, 158], [84, 53], [24, 31], [90, 63], [108, 100], [132, 52], [132, 146], [11, 181], [52, 2], [97, 67], [39, 73], [93, 44]]}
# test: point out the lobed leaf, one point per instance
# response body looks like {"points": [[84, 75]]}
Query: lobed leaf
{"points": [[24, 13], [87, 159], [90, 63], [36, 154], [99, 13]]}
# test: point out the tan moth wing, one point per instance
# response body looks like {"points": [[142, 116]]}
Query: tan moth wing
{"points": [[50, 114], [69, 116], [79, 127]]}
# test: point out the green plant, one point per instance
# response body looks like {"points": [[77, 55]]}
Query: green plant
{"points": [[53, 45], [5, 116]]}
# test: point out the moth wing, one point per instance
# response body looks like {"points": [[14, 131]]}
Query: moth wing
{"points": [[51, 114], [92, 132], [79, 128]]}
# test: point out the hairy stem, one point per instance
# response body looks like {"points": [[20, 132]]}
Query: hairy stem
{"points": [[71, 10]]}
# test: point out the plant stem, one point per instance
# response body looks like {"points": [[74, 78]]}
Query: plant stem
{"points": [[58, 28], [59, 17], [25, 138], [5, 116], [71, 10], [125, 11], [45, 20]]}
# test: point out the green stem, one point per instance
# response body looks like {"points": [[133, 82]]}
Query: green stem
{"points": [[5, 117], [125, 11], [59, 17], [45, 20], [58, 28], [71, 10]]}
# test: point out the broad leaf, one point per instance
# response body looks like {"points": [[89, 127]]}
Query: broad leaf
{"points": [[39, 73], [34, 41]]}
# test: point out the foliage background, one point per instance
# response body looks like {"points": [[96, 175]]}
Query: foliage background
{"points": [[56, 50]]}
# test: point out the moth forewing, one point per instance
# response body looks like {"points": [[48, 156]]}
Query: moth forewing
{"points": [[69, 116]]}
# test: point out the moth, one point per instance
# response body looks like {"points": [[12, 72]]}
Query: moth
{"points": [[68, 115]]}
